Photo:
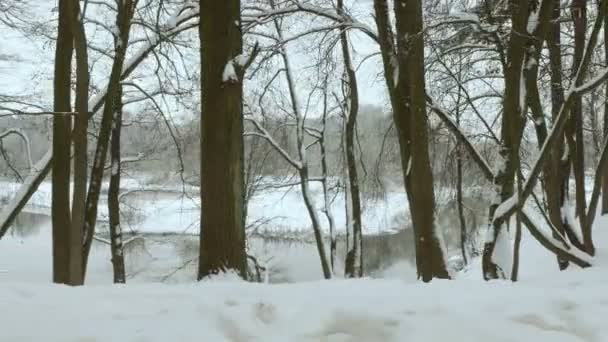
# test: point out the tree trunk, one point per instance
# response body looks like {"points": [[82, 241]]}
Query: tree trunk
{"points": [[222, 236], [575, 129], [123, 23], [354, 255], [62, 125], [79, 138], [333, 242], [116, 246], [605, 176], [429, 249], [511, 130], [560, 180], [459, 190]]}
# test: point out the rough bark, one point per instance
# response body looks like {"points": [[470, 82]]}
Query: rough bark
{"points": [[354, 255], [429, 251], [123, 23], [60, 207], [222, 235], [116, 245]]}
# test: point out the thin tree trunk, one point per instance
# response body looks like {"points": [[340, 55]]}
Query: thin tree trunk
{"points": [[354, 256], [459, 190], [560, 179], [333, 243], [575, 131], [605, 175], [123, 23], [222, 235], [429, 249], [79, 138], [116, 245], [60, 207], [511, 130], [518, 232], [303, 167]]}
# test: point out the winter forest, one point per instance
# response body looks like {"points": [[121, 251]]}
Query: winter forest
{"points": [[303, 170]]}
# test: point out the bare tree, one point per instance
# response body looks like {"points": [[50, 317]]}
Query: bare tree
{"points": [[354, 254], [123, 23]]}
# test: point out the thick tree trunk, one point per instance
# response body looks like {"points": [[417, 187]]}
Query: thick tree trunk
{"points": [[62, 125], [354, 255], [123, 23], [116, 245], [429, 249], [222, 236]]}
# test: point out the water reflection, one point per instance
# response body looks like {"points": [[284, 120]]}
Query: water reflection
{"points": [[29, 224]]}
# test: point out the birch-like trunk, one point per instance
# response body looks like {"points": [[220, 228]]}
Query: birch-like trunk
{"points": [[116, 245]]}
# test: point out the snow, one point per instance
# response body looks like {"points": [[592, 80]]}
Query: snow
{"points": [[533, 21], [229, 74], [573, 308], [505, 206], [503, 253]]}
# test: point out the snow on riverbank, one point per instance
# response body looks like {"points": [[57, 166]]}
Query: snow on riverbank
{"points": [[167, 209]]}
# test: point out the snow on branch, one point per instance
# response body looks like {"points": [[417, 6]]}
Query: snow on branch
{"points": [[263, 133], [453, 127], [580, 87], [26, 143], [177, 23]]}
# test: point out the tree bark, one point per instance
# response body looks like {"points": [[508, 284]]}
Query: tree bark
{"points": [[574, 130], [605, 175], [123, 23], [333, 241], [511, 130], [80, 141], [222, 236], [354, 255], [116, 245], [60, 207], [429, 249], [560, 180]]}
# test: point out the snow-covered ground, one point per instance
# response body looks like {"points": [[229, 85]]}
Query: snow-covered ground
{"points": [[571, 306], [159, 305]]}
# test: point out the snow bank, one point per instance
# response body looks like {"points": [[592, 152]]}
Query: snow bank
{"points": [[573, 308]]}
